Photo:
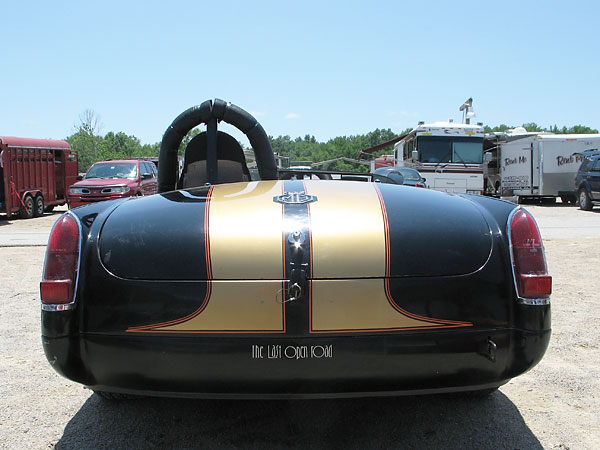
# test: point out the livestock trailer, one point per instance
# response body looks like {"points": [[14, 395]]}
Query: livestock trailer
{"points": [[35, 175]]}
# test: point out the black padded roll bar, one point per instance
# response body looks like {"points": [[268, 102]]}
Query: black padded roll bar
{"points": [[203, 113]]}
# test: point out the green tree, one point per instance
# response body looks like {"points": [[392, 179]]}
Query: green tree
{"points": [[500, 128], [119, 146], [532, 126], [85, 139], [309, 149], [92, 147], [575, 129]]}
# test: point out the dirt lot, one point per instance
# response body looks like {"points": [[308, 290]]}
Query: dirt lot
{"points": [[556, 405]]}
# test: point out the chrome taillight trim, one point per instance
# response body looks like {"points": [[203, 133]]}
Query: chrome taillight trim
{"points": [[522, 300], [533, 301], [58, 307], [71, 305]]}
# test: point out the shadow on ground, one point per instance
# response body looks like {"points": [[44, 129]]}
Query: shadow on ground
{"points": [[430, 422], [4, 220]]}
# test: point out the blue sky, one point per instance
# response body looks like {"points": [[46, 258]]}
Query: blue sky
{"points": [[321, 68]]}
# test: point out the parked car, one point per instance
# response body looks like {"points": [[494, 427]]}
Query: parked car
{"points": [[587, 181], [108, 180], [402, 175], [219, 287]]}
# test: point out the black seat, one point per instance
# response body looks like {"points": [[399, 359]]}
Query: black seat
{"points": [[231, 162]]}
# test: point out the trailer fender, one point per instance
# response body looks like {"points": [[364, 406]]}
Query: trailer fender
{"points": [[32, 193]]}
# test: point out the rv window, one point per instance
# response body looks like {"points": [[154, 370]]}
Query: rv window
{"points": [[467, 152], [408, 148], [450, 149], [434, 149]]}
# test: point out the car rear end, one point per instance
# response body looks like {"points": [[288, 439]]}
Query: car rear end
{"points": [[298, 289]]}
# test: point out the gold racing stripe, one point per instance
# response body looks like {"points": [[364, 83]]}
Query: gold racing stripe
{"points": [[237, 306], [245, 231], [350, 248], [246, 259], [358, 305], [348, 234]]}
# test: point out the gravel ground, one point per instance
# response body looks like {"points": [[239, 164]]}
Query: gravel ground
{"points": [[554, 406]]}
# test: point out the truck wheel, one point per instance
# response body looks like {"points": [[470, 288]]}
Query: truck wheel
{"points": [[27, 211], [38, 209], [585, 202]]}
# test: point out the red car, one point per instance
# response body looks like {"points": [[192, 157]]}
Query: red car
{"points": [[108, 180]]}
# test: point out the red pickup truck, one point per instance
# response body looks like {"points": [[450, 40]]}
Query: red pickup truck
{"points": [[107, 180]]}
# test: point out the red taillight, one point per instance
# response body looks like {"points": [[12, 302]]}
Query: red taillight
{"points": [[419, 184], [529, 261], [62, 258], [56, 291]]}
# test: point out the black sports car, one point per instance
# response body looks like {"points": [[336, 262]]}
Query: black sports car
{"points": [[219, 286]]}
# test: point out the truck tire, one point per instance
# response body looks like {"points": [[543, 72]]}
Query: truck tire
{"points": [[38, 209], [27, 211], [585, 202]]}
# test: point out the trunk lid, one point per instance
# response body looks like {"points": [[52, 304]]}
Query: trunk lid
{"points": [[257, 230]]}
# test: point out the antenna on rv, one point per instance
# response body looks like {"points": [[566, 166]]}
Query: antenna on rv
{"points": [[467, 110]]}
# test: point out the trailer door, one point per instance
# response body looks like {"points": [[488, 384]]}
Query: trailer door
{"points": [[59, 174], [516, 167], [535, 158]]}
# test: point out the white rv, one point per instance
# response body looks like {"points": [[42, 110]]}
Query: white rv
{"points": [[535, 165], [449, 155]]}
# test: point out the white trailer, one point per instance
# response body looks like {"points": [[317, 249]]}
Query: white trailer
{"points": [[536, 165]]}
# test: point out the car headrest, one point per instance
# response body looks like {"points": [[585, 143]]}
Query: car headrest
{"points": [[231, 162]]}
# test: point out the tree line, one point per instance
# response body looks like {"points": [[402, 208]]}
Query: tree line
{"points": [[532, 126], [92, 146]]}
